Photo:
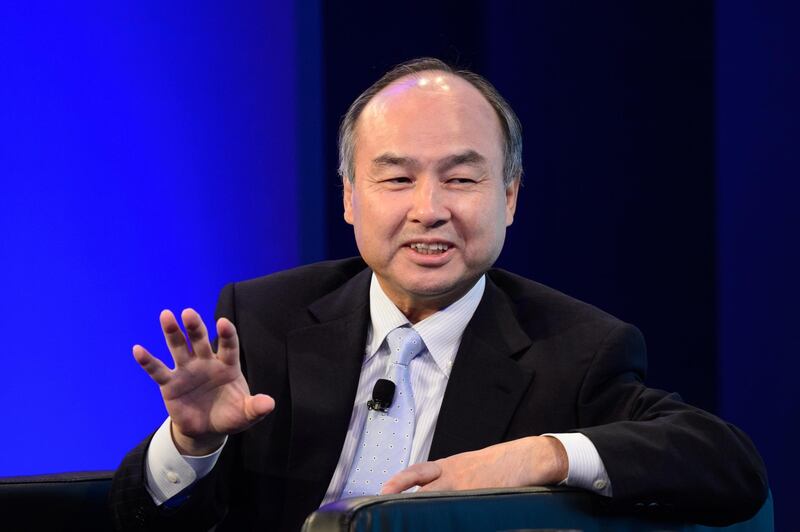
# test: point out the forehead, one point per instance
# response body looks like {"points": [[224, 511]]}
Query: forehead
{"points": [[427, 115]]}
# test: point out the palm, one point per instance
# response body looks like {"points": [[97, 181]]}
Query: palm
{"points": [[206, 394]]}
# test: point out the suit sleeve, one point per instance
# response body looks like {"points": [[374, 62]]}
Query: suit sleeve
{"points": [[658, 450], [132, 507]]}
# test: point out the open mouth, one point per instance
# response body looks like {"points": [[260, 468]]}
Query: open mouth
{"points": [[429, 249]]}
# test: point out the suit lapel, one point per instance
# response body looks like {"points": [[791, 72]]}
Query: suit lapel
{"points": [[324, 362], [486, 382]]}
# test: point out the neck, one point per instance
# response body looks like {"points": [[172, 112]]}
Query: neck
{"points": [[417, 307], [416, 314]]}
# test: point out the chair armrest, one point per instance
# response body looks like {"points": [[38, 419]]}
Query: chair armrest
{"points": [[62, 501], [504, 509]]}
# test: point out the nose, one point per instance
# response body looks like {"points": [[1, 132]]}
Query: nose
{"points": [[429, 206]]}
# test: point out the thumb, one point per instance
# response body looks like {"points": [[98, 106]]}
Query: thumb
{"points": [[256, 407]]}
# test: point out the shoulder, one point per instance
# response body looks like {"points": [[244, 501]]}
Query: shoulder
{"points": [[304, 283], [280, 296], [532, 299], [551, 317]]}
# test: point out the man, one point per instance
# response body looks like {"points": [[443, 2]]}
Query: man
{"points": [[499, 381]]}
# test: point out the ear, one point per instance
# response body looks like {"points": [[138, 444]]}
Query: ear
{"points": [[347, 199], [512, 192]]}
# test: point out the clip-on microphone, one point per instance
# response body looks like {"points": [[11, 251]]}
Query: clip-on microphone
{"points": [[382, 395]]}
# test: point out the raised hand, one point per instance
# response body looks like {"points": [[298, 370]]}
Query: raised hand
{"points": [[532, 461], [206, 395]]}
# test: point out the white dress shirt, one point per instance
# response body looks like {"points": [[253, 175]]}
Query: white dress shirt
{"points": [[169, 473]]}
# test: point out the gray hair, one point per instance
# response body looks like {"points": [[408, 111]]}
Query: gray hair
{"points": [[509, 123]]}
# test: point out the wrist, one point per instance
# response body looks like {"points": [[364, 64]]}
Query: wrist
{"points": [[194, 446], [555, 460]]}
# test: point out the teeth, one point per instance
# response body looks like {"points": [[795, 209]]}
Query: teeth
{"points": [[429, 249]]}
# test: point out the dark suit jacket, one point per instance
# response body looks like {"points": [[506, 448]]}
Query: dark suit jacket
{"points": [[532, 360]]}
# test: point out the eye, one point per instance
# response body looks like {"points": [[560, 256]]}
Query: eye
{"points": [[399, 180], [461, 181]]}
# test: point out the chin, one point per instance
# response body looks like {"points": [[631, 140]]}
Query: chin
{"points": [[433, 288]]}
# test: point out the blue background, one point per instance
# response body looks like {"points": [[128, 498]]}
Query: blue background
{"points": [[151, 153], [149, 156]]}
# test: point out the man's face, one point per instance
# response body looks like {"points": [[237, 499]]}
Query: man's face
{"points": [[428, 206]]}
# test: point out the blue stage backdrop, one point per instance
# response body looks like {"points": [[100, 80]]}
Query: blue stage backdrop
{"points": [[149, 154], [758, 240]]}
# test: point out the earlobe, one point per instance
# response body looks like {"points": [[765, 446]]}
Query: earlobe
{"points": [[347, 200]]}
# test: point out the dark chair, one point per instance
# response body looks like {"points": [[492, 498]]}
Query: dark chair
{"points": [[526, 509], [79, 501], [60, 502]]}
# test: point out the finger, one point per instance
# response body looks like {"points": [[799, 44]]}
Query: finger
{"points": [[228, 342], [440, 484], [153, 366], [197, 332], [416, 475], [256, 407], [176, 342]]}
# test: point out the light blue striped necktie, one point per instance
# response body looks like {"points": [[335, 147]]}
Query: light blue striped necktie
{"points": [[385, 444]]}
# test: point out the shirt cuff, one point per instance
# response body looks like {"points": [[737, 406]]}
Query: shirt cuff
{"points": [[169, 472], [586, 468]]}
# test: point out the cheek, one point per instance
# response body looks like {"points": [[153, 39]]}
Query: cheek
{"points": [[383, 215], [373, 228], [485, 234]]}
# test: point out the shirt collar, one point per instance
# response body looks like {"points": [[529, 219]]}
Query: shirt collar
{"points": [[441, 331]]}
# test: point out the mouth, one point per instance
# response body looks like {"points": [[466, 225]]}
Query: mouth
{"points": [[433, 248]]}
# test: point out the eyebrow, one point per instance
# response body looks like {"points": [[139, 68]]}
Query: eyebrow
{"points": [[468, 157], [391, 159]]}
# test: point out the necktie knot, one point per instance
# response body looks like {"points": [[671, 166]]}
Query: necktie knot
{"points": [[404, 344]]}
